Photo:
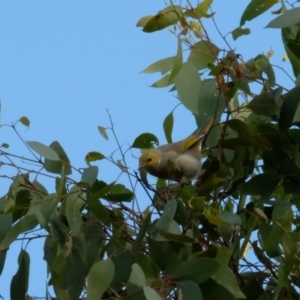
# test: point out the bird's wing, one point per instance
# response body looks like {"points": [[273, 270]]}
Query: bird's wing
{"points": [[198, 136], [204, 129]]}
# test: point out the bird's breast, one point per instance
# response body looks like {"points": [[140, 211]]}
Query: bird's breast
{"points": [[189, 166]]}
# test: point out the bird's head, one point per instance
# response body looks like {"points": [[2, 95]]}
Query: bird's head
{"points": [[149, 158]]}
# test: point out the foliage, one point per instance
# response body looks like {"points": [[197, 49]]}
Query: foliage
{"points": [[190, 242]]}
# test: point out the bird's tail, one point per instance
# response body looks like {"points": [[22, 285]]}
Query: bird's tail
{"points": [[201, 132]]}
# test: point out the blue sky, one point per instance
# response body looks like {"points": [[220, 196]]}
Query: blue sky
{"points": [[64, 63]]}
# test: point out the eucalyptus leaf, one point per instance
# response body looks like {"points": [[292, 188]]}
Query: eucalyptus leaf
{"points": [[202, 54], [102, 271], [288, 109], [137, 276], [57, 166], [43, 150], [187, 83], [261, 184], [151, 294], [198, 270], [239, 31], [19, 282], [89, 175], [256, 8], [145, 141], [163, 66], [189, 290], [168, 215], [286, 19], [168, 126]]}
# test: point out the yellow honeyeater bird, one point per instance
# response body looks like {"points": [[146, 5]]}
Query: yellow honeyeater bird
{"points": [[180, 161]]}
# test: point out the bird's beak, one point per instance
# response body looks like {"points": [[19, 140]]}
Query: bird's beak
{"points": [[141, 166]]}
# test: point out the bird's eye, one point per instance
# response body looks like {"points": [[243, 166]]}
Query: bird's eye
{"points": [[149, 159]]}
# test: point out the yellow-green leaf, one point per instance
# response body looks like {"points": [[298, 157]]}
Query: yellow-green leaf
{"points": [[102, 131], [25, 121], [93, 156]]}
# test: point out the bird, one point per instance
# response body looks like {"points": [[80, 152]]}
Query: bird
{"points": [[179, 161]]}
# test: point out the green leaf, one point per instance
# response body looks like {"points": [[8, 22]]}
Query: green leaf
{"points": [[256, 8], [102, 131], [273, 238], [146, 264], [168, 126], [93, 156], [45, 208], [94, 236], [118, 193], [283, 283], [189, 290], [239, 126], [114, 240], [176, 237], [167, 216], [216, 220], [263, 65], [101, 272], [163, 82], [69, 272], [19, 282], [141, 234], [73, 210], [265, 230], [197, 204], [157, 253], [209, 103], [200, 11], [163, 66], [177, 60], [4, 145], [214, 291], [134, 292], [181, 215], [223, 255], [22, 200], [294, 44], [286, 19], [290, 245], [288, 109], [187, 83], [202, 54], [145, 141], [137, 276], [169, 16], [197, 270], [89, 175], [56, 166], [261, 184], [28, 222], [25, 121], [43, 150], [143, 21], [253, 289], [151, 294], [123, 266], [227, 279], [95, 206], [263, 104], [290, 40], [230, 218], [5, 225], [239, 31]]}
